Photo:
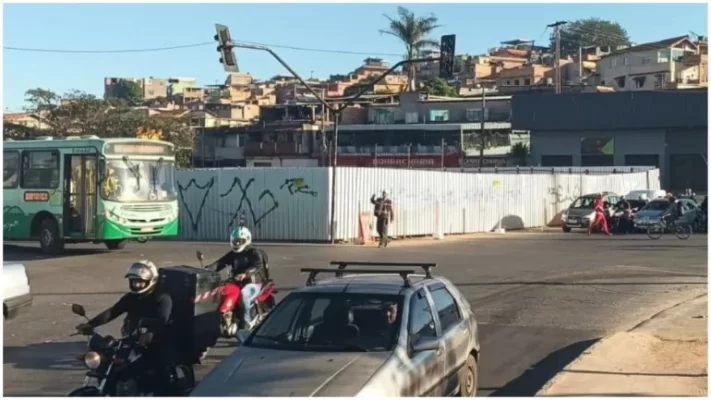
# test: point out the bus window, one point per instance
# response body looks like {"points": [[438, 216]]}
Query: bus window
{"points": [[40, 170], [10, 169]]}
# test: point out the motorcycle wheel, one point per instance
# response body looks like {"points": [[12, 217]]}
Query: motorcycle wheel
{"points": [[89, 391]]}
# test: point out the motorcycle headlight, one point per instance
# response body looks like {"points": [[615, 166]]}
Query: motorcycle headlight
{"points": [[92, 360]]}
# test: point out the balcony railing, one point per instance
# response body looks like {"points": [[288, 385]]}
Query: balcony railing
{"points": [[272, 149], [414, 149]]}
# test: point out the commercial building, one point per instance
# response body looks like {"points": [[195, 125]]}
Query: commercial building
{"points": [[666, 129]]}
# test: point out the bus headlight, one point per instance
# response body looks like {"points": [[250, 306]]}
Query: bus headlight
{"points": [[92, 360]]}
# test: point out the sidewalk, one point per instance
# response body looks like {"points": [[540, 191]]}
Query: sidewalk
{"points": [[665, 356]]}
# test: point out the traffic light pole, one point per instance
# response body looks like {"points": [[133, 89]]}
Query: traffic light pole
{"points": [[335, 110]]}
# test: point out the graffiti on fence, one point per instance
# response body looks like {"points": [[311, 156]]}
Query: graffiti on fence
{"points": [[298, 185], [195, 217], [249, 201], [564, 194], [265, 195]]}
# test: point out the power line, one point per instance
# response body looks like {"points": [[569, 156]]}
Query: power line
{"points": [[148, 50], [155, 49]]}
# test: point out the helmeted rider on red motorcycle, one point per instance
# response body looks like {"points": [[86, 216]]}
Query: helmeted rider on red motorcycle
{"points": [[249, 272]]}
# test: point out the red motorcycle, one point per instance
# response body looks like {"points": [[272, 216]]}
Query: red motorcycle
{"points": [[231, 292]]}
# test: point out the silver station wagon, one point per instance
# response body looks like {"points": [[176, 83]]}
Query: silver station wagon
{"points": [[365, 332]]}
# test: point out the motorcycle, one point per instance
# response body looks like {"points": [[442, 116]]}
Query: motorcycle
{"points": [[113, 364], [231, 320]]}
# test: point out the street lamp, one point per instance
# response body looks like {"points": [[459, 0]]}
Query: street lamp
{"points": [[446, 61]]}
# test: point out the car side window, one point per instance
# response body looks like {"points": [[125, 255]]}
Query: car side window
{"points": [[421, 322], [446, 306]]}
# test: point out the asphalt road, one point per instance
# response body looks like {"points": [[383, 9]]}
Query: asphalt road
{"points": [[541, 299]]}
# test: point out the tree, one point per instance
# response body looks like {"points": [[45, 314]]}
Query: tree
{"points": [[519, 153], [440, 87], [589, 32], [414, 33], [130, 92], [79, 113]]}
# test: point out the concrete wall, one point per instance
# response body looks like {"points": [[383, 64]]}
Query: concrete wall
{"points": [[294, 203]]}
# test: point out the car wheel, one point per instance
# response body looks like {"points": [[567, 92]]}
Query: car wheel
{"points": [[115, 244], [469, 378], [50, 242], [566, 229]]}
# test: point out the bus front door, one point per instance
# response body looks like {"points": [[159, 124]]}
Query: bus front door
{"points": [[80, 174]]}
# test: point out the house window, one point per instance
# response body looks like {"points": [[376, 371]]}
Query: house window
{"points": [[527, 82], [508, 82], [474, 114], [620, 81], [624, 61], [439, 115], [646, 60], [411, 118], [639, 81], [660, 81], [384, 116], [663, 55], [516, 82]]}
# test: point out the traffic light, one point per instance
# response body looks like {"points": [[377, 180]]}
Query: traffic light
{"points": [[446, 57], [225, 48]]}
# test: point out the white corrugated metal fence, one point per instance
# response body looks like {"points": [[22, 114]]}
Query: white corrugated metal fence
{"points": [[294, 203]]}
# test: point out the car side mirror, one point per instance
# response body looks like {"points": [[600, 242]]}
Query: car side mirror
{"points": [[425, 344], [78, 310], [243, 335]]}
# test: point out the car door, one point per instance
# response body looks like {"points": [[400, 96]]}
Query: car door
{"points": [[454, 333], [426, 368]]}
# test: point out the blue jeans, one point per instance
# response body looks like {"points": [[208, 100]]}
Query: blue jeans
{"points": [[249, 294]]}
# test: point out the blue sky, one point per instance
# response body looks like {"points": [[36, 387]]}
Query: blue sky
{"points": [[352, 27]]}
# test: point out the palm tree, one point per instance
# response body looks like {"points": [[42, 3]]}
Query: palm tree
{"points": [[414, 33]]}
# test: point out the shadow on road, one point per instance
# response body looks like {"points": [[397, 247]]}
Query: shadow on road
{"points": [[27, 253], [660, 247], [549, 283], [45, 356], [531, 381]]}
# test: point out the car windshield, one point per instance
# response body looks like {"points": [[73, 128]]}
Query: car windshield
{"points": [[133, 180], [635, 203], [338, 322], [584, 202], [656, 206]]}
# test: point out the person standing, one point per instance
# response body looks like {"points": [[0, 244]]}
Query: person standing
{"points": [[600, 218], [384, 216]]}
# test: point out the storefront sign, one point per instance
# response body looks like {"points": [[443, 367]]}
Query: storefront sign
{"points": [[430, 161], [489, 162]]}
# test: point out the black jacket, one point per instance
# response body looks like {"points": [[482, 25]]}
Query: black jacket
{"points": [[249, 261], [156, 306]]}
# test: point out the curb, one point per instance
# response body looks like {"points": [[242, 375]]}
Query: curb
{"points": [[602, 341]]}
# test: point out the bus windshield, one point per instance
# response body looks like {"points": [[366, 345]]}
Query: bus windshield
{"points": [[133, 180]]}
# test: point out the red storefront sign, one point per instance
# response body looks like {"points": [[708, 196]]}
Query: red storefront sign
{"points": [[430, 161]]}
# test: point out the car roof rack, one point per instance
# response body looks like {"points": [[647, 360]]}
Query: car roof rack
{"points": [[427, 267]]}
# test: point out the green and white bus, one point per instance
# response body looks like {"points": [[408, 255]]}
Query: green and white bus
{"points": [[88, 189]]}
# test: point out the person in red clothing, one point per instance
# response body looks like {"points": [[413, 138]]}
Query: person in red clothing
{"points": [[600, 218]]}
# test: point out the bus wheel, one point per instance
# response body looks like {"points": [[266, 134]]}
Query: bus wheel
{"points": [[50, 242], [115, 244]]}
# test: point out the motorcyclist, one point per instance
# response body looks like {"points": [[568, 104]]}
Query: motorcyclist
{"points": [[248, 271], [144, 302], [623, 215]]}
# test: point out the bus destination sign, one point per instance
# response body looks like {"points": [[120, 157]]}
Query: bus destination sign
{"points": [[36, 196], [146, 149]]}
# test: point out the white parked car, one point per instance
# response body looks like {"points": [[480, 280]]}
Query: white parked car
{"points": [[16, 289]]}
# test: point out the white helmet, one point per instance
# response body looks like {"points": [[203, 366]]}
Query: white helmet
{"points": [[241, 238], [142, 276]]}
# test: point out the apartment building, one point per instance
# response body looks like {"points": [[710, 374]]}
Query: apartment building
{"points": [[428, 133], [152, 88], [176, 85], [667, 64]]}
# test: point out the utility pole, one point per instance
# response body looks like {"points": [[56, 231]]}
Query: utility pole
{"points": [[580, 65], [482, 135], [556, 26]]}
